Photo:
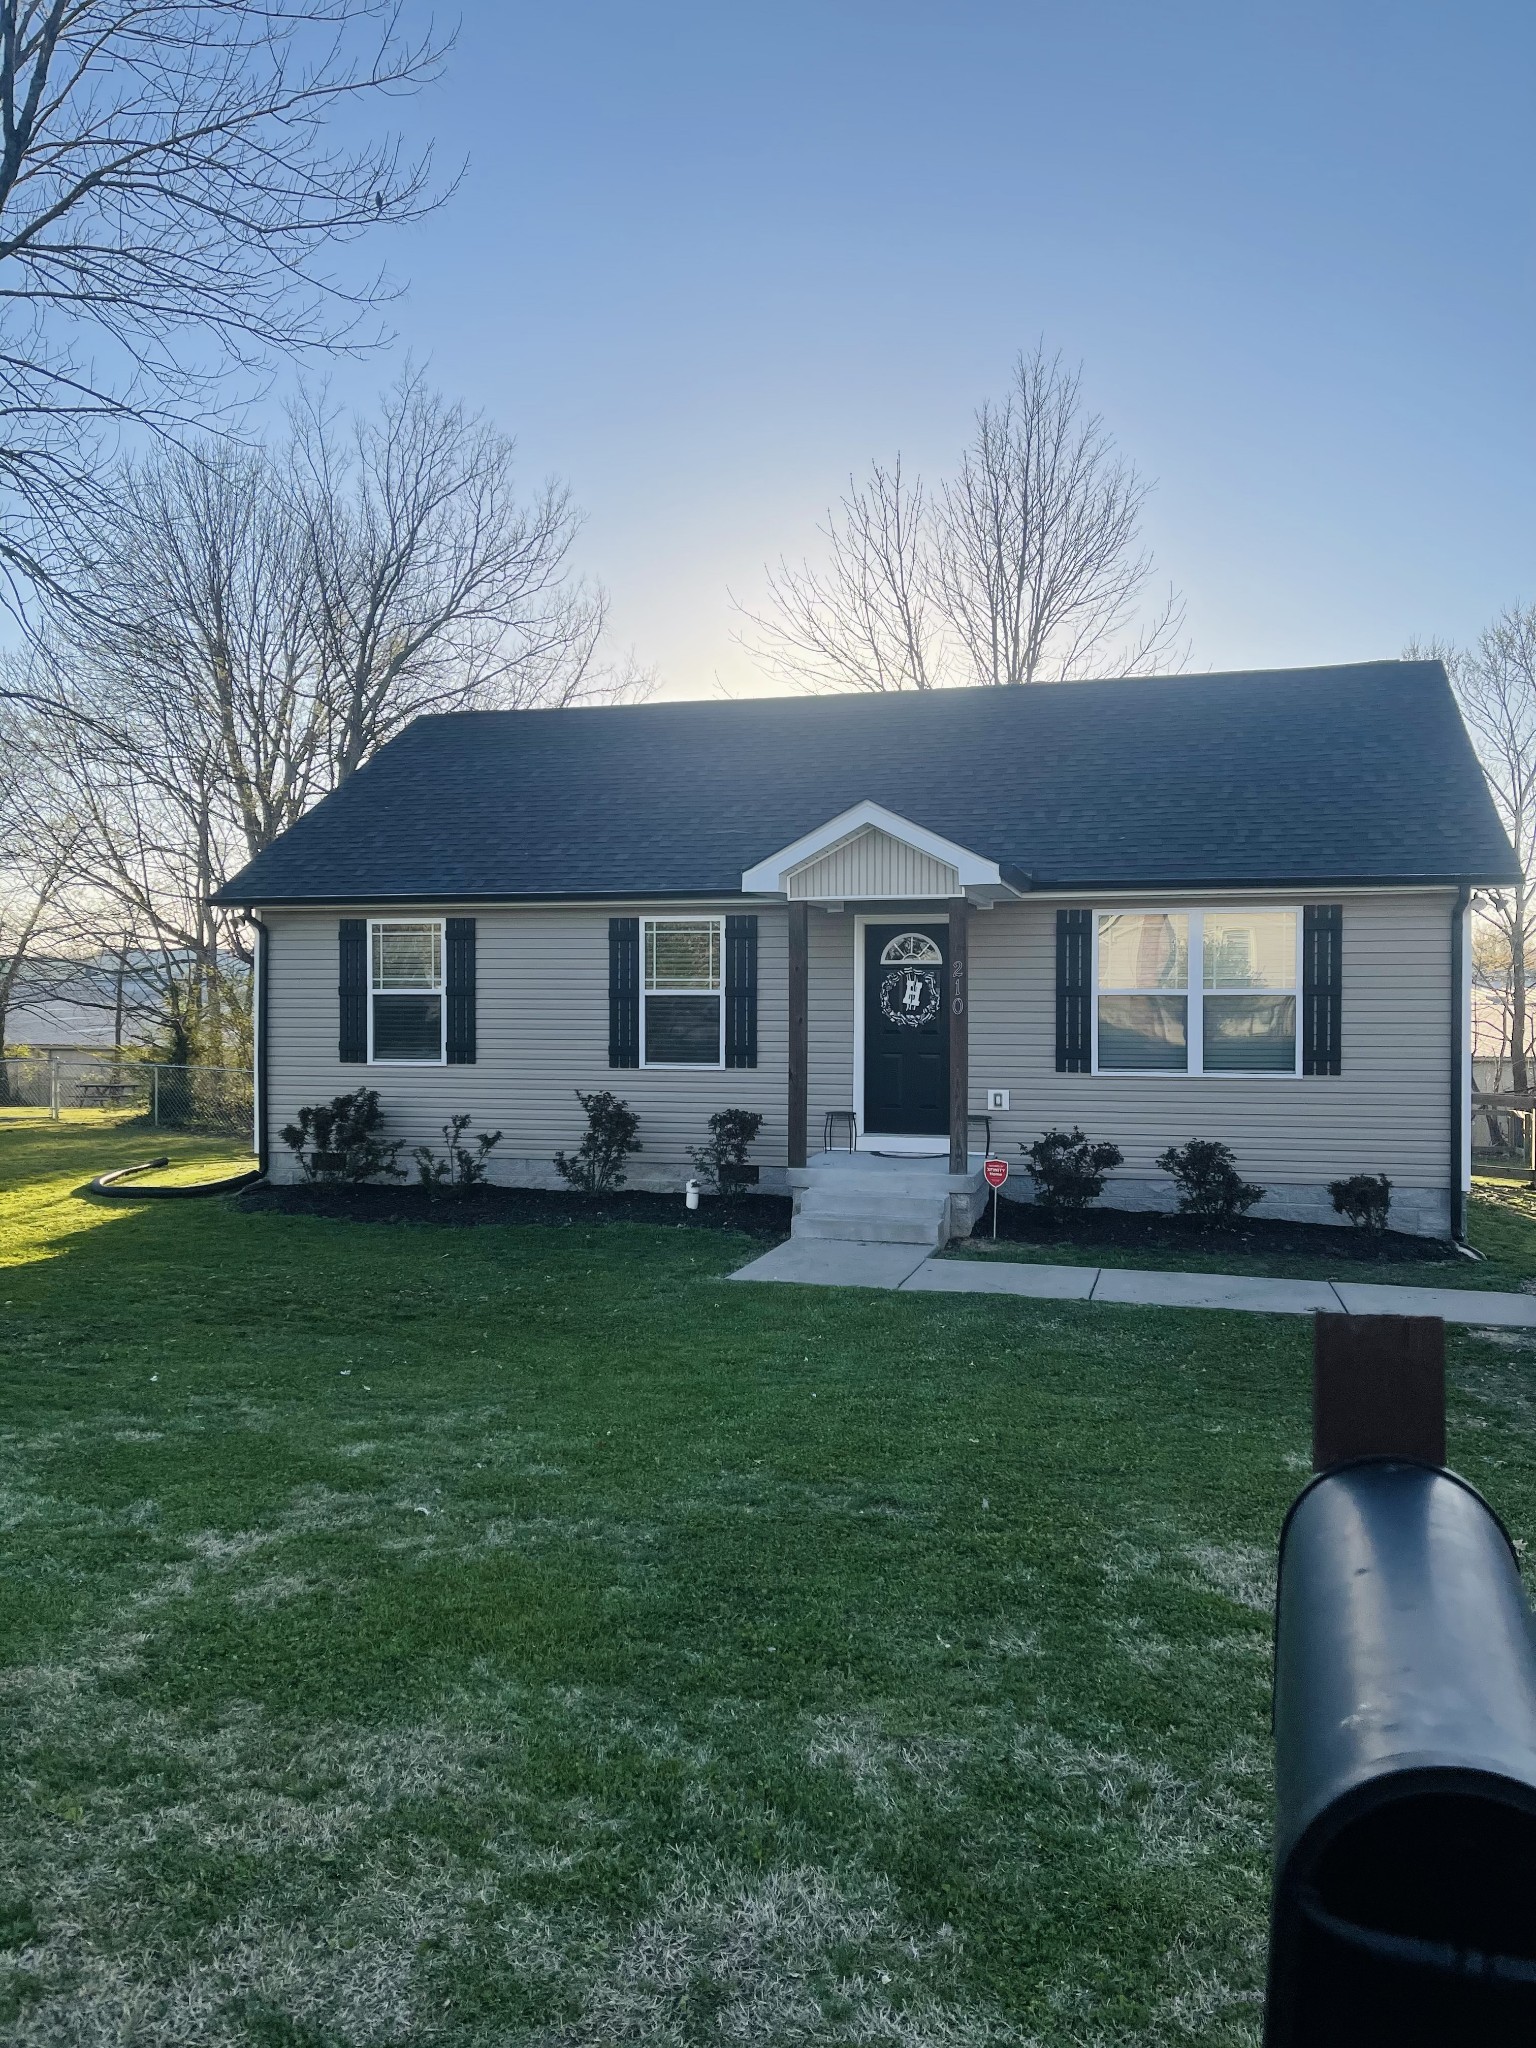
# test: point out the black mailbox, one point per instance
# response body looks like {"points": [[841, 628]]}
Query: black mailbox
{"points": [[1405, 1758]]}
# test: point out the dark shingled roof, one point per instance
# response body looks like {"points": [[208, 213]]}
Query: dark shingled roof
{"points": [[1288, 777]]}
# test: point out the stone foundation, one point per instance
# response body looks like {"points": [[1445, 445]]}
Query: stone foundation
{"points": [[508, 1170]]}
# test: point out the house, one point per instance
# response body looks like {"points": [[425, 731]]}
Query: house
{"points": [[1222, 906]]}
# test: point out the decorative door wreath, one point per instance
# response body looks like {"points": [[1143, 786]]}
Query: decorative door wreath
{"points": [[910, 995], [910, 991]]}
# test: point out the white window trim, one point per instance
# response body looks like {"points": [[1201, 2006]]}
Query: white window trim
{"points": [[441, 991], [1194, 993], [648, 924]]}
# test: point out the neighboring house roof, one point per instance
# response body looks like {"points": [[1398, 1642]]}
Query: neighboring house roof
{"points": [[58, 1024], [69, 1002], [1293, 777]]}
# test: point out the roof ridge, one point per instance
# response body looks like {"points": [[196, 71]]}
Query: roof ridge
{"points": [[999, 692]]}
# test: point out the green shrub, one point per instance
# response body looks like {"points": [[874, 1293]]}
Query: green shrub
{"points": [[1210, 1187], [597, 1164], [1365, 1198], [1068, 1170], [732, 1133], [339, 1140], [459, 1166]]}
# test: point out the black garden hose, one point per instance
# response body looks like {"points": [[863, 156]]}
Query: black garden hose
{"points": [[107, 1184]]}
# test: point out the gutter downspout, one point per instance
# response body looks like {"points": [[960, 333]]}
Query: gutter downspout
{"points": [[263, 951], [1460, 1104]]}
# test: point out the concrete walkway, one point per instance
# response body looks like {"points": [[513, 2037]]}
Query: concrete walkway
{"points": [[914, 1271]]}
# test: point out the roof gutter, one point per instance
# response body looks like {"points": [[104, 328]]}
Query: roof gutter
{"points": [[1460, 1103], [1023, 880]]}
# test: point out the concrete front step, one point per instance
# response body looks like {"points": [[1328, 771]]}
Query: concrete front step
{"points": [[874, 1198], [874, 1226], [881, 1171], [888, 1201]]}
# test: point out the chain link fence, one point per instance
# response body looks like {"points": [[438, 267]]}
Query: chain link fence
{"points": [[218, 1100], [1503, 1136]]}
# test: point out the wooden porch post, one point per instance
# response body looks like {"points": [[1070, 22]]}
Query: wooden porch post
{"points": [[959, 1034], [799, 1029]]}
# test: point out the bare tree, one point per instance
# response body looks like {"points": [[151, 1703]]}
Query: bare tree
{"points": [[1039, 563], [434, 586], [1024, 566], [242, 628], [148, 796], [1490, 996], [188, 628], [171, 197], [867, 620], [270, 618], [1495, 682], [39, 850]]}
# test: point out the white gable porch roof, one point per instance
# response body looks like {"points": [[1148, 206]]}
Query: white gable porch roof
{"points": [[868, 853]]}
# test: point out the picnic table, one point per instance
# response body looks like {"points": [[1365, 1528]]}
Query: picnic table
{"points": [[104, 1094]]}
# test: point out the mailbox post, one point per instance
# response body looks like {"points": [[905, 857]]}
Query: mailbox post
{"points": [[1405, 1739]]}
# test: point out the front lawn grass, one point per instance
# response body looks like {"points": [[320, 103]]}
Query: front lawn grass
{"points": [[522, 1635]]}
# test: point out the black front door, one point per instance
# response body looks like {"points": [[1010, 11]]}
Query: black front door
{"points": [[906, 1029]]}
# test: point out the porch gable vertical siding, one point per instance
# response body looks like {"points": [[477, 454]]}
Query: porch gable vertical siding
{"points": [[872, 864]]}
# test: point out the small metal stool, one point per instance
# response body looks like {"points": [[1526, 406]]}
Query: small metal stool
{"points": [[986, 1123], [840, 1116]]}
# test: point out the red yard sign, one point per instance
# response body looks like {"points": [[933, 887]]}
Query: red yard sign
{"points": [[996, 1172]]}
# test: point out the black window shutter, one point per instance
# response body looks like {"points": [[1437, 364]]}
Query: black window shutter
{"points": [[623, 991], [1322, 986], [460, 965], [741, 991], [352, 990], [1074, 985]]}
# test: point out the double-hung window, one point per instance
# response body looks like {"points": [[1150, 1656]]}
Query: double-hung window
{"points": [[1196, 992], [1251, 961], [405, 1022], [682, 1012]]}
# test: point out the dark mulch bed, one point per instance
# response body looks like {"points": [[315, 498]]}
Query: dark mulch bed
{"points": [[764, 1216], [1148, 1232]]}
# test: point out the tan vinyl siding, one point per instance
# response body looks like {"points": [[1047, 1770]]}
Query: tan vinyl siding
{"points": [[542, 1030], [873, 864], [830, 1014], [1388, 1111], [543, 1033]]}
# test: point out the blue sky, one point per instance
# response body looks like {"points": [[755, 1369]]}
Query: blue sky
{"points": [[708, 259]]}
